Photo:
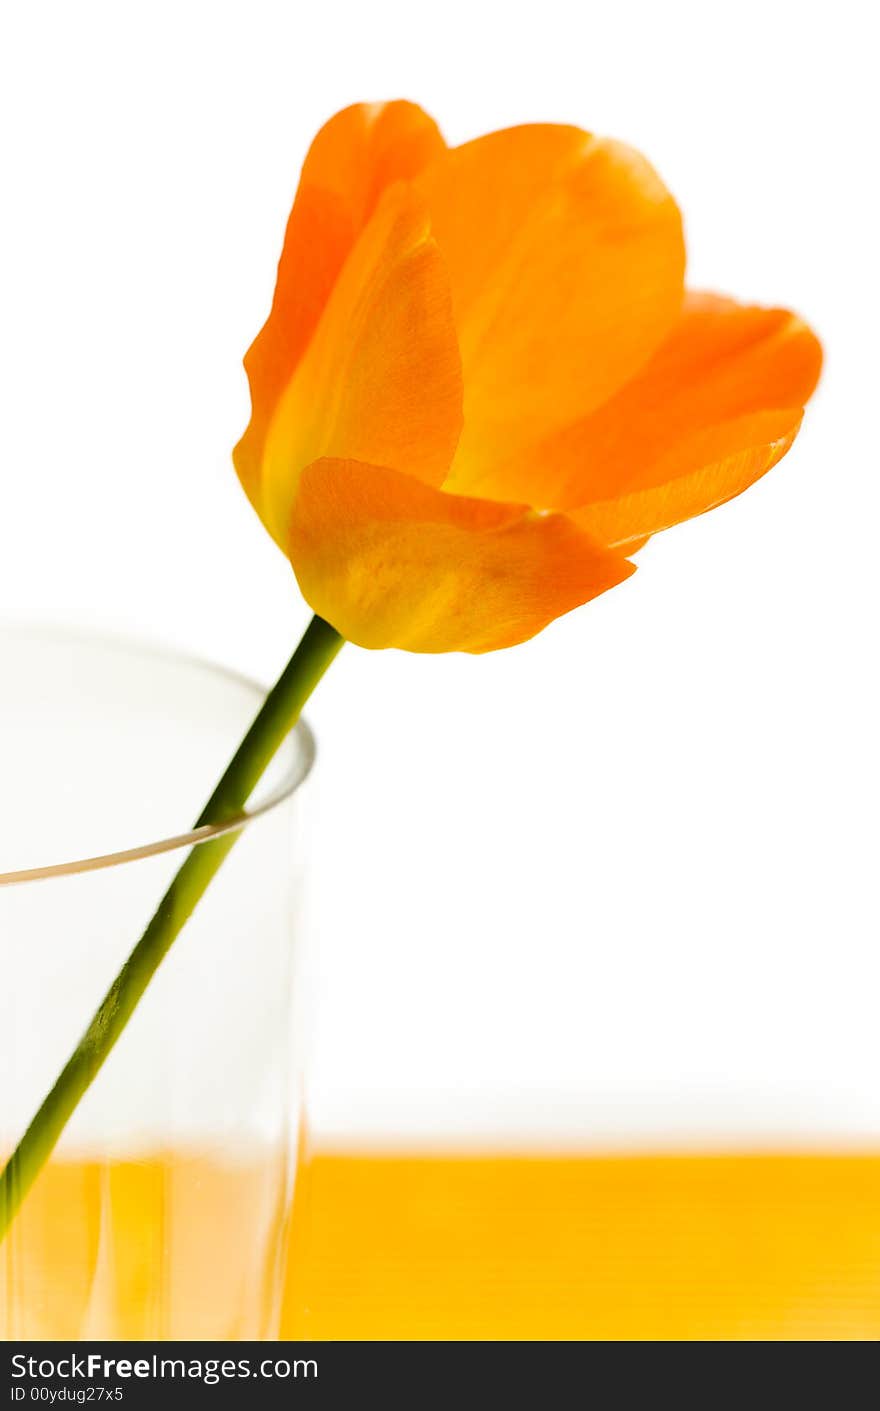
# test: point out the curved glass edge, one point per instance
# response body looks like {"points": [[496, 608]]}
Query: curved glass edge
{"points": [[295, 776]]}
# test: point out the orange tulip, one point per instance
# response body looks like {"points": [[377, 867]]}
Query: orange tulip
{"points": [[482, 384]]}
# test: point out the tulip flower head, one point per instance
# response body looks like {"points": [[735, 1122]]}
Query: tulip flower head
{"points": [[482, 384]]}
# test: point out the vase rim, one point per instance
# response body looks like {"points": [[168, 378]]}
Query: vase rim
{"points": [[293, 777]]}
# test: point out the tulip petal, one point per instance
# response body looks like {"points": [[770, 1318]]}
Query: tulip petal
{"points": [[706, 469], [724, 364], [381, 378], [392, 562], [566, 260], [355, 157]]}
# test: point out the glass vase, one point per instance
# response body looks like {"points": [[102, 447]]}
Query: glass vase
{"points": [[162, 1212]]}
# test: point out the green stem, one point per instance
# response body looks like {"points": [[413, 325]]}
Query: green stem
{"points": [[277, 716]]}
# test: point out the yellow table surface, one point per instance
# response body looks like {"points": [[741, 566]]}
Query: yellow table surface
{"points": [[660, 1248]]}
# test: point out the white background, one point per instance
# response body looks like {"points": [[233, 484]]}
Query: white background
{"points": [[621, 880]]}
